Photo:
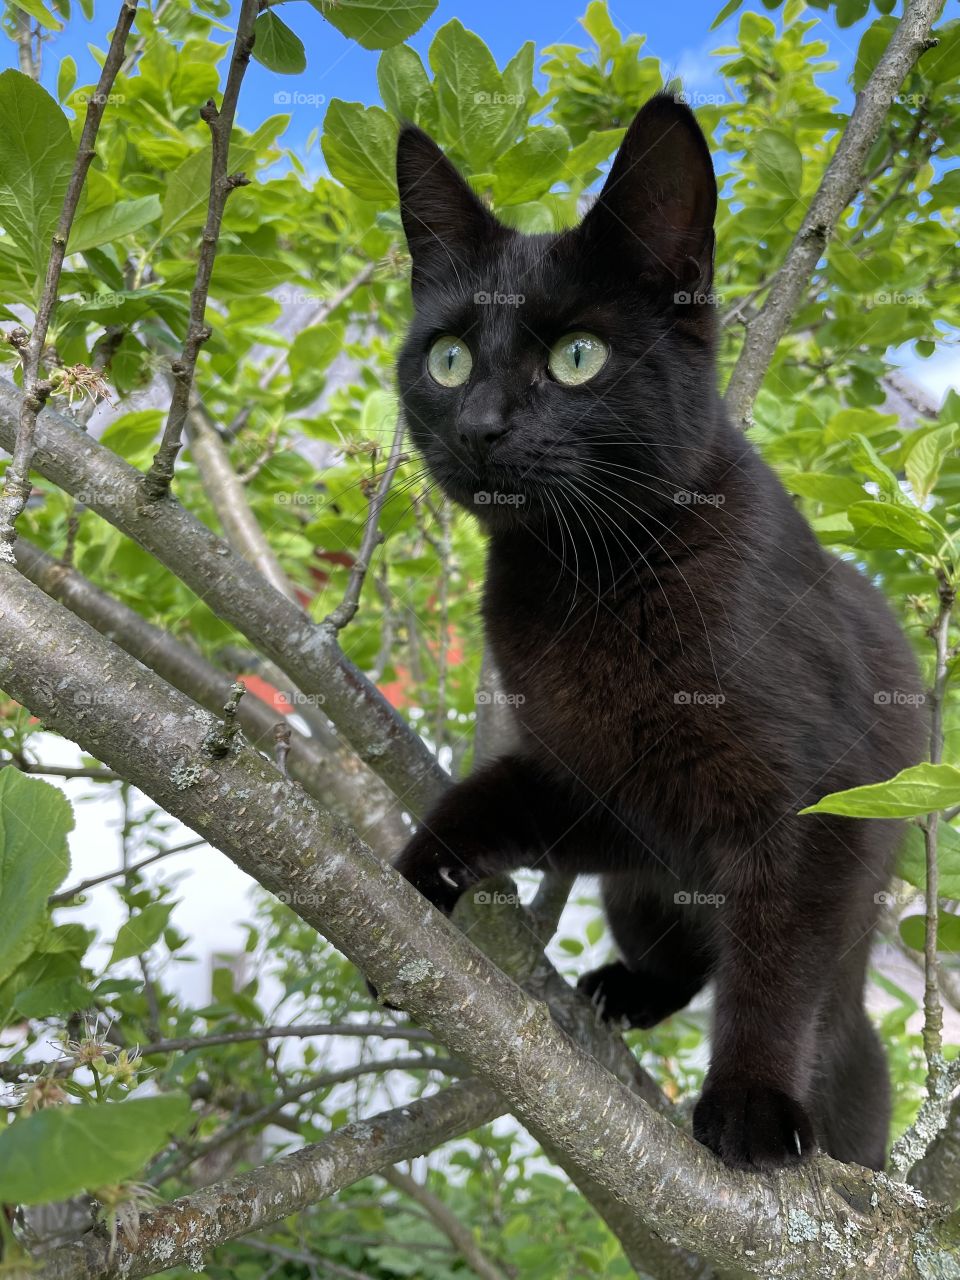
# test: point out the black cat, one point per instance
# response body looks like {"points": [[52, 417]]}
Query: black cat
{"points": [[690, 667]]}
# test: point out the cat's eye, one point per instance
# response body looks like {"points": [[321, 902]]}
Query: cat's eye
{"points": [[577, 358], [450, 361]]}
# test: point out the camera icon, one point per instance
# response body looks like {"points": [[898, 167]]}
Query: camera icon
{"points": [[482, 299], [683, 497], [482, 897], [282, 98], [482, 498], [882, 698], [682, 299], [483, 698], [682, 698], [683, 898], [885, 899]]}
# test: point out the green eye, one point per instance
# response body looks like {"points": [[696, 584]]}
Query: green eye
{"points": [[450, 361], [577, 358]]}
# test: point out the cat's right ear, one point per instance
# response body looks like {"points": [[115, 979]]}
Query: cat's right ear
{"points": [[442, 218]]}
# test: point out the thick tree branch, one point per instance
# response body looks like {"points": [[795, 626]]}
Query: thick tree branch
{"points": [[839, 185], [332, 775], [823, 1219], [16, 488], [156, 482], [307, 652]]}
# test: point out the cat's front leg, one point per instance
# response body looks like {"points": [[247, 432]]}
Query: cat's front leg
{"points": [[506, 815]]}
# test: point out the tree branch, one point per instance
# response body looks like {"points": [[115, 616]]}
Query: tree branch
{"points": [[16, 488], [307, 652], [332, 775], [839, 185], [156, 482]]}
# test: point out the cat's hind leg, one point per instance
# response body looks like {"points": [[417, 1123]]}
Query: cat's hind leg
{"points": [[665, 958]]}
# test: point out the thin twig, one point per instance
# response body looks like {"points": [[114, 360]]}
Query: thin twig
{"points": [[156, 482], [942, 1078], [16, 488], [68, 895], [347, 608]]}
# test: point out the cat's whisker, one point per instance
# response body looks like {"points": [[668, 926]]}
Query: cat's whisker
{"points": [[658, 543]]}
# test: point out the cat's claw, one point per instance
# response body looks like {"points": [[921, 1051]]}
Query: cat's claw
{"points": [[750, 1125]]}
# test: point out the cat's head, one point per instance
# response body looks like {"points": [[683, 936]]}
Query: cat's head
{"points": [[539, 367]]}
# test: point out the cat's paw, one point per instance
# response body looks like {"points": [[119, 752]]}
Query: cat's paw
{"points": [[750, 1125], [622, 996], [439, 876]]}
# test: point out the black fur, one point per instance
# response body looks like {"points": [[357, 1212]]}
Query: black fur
{"points": [[691, 668]]}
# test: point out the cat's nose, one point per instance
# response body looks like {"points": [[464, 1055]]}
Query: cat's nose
{"points": [[479, 429]]}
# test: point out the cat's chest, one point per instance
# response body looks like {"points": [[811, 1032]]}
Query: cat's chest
{"points": [[591, 685]]}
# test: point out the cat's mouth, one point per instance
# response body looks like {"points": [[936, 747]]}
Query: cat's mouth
{"points": [[494, 494]]}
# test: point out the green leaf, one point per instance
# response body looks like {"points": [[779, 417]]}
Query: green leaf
{"points": [[890, 527], [60, 1151], [66, 77], [913, 859], [923, 788], [377, 24], [779, 161], [188, 187], [110, 222], [848, 423], [313, 349], [913, 930], [36, 160], [405, 86], [34, 820], [728, 9], [277, 47], [38, 10], [478, 108], [141, 931], [359, 144], [130, 434], [832, 491], [58, 997], [927, 454], [530, 168]]}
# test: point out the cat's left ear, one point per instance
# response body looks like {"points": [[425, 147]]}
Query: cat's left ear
{"points": [[659, 201], [443, 220]]}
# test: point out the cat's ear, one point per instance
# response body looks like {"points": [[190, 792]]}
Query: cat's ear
{"points": [[659, 201], [442, 218]]}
